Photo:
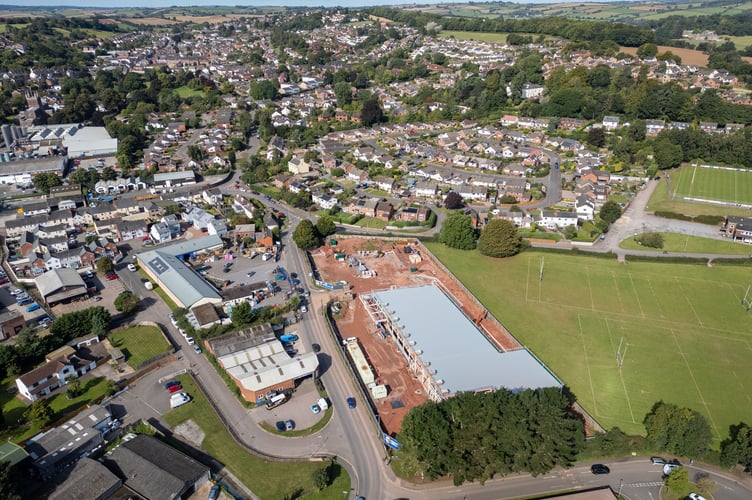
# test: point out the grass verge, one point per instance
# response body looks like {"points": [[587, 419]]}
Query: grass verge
{"points": [[267, 479], [681, 243]]}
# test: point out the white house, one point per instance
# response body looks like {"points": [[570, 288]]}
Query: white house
{"points": [[531, 90], [610, 122], [324, 201], [585, 207], [555, 219]]}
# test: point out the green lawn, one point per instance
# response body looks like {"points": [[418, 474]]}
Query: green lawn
{"points": [[733, 186], [660, 200], [674, 242], [688, 337], [139, 343], [472, 35], [265, 478], [185, 92], [371, 222]]}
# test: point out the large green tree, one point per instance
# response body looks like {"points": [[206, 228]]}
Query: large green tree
{"points": [[499, 239], [40, 413], [737, 449], [681, 431], [457, 232], [473, 436], [305, 235], [325, 226], [610, 212], [8, 483], [43, 182], [126, 302]]}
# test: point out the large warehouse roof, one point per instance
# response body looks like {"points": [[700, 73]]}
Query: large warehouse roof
{"points": [[185, 284], [462, 357]]}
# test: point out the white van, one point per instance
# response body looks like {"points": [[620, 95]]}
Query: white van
{"points": [[322, 404], [179, 399]]}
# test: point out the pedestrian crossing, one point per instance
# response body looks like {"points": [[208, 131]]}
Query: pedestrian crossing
{"points": [[651, 484]]}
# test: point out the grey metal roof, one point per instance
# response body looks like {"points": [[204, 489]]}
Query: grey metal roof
{"points": [[55, 279], [462, 357], [185, 284], [88, 480]]}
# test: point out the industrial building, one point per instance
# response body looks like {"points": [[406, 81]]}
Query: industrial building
{"points": [[445, 350]]}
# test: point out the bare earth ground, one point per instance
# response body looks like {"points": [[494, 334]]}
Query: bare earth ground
{"points": [[393, 270]]}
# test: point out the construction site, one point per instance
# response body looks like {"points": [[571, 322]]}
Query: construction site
{"points": [[412, 332]]}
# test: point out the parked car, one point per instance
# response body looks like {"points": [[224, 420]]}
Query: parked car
{"points": [[657, 460], [131, 268], [289, 425], [16, 291], [190, 340], [173, 320], [315, 409], [599, 469], [281, 426], [171, 383], [111, 277], [214, 492], [97, 298], [696, 496], [175, 388], [89, 274], [197, 349], [33, 307], [351, 403]]}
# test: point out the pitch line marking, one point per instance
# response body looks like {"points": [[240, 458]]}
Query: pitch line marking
{"points": [[637, 295], [621, 375], [618, 293], [590, 288], [527, 281], [694, 381], [587, 365]]}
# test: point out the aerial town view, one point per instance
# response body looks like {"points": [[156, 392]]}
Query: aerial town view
{"points": [[376, 250]]}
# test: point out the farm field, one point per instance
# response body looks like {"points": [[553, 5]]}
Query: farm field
{"points": [[688, 56], [681, 243], [733, 186], [686, 335]]}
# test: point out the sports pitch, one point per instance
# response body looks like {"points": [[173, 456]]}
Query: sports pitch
{"points": [[731, 186], [685, 336]]}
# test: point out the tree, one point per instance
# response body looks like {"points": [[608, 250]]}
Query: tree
{"points": [[596, 136], [105, 265], [321, 477], [40, 413], [371, 113], [678, 482], [109, 174], [680, 431], [610, 212], [126, 302], [305, 235], [74, 388], [508, 199], [667, 155], [737, 449], [457, 232], [650, 239], [43, 182], [242, 314], [343, 93], [8, 484], [570, 232], [499, 239], [264, 89], [453, 200], [325, 226], [647, 50]]}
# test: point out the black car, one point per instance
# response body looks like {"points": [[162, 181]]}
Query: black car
{"points": [[599, 469]]}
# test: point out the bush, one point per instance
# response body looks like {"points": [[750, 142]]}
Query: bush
{"points": [[651, 239]]}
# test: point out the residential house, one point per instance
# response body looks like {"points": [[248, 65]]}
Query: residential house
{"points": [[384, 210], [132, 229], [54, 373], [387, 184], [198, 217], [160, 232], [479, 193], [531, 90], [610, 122], [324, 201], [361, 206], [654, 127], [585, 207], [553, 219], [412, 214], [212, 196]]}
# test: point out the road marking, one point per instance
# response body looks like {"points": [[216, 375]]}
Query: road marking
{"points": [[652, 484]]}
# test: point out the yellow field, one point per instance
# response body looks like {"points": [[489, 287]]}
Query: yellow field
{"points": [[688, 56]]}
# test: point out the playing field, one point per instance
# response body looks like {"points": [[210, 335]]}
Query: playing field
{"points": [[726, 185], [684, 335]]}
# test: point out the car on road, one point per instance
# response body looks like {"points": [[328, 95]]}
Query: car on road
{"points": [[250, 273], [190, 340], [97, 298], [280, 426], [131, 268], [599, 469], [175, 388], [171, 383], [669, 468], [657, 460], [315, 409], [351, 403], [173, 320], [197, 349], [289, 425]]}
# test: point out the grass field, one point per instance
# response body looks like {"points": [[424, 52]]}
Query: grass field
{"points": [[734, 186], [139, 343], [688, 56], [267, 479], [185, 91], [660, 200], [681, 243], [689, 339]]}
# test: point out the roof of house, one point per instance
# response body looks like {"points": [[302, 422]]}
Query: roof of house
{"points": [[88, 480], [205, 314], [57, 279], [153, 469]]}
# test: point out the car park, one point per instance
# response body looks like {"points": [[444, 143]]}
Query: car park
{"points": [[33, 307], [351, 403], [173, 320], [16, 291], [89, 274], [599, 469], [315, 409], [289, 425]]}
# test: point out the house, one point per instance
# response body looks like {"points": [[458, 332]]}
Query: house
{"points": [[62, 446], [361, 206], [737, 228], [553, 219], [610, 122], [212, 196], [383, 210], [198, 217], [585, 207], [132, 229], [387, 184], [413, 214], [473, 192], [298, 166], [709, 127], [153, 469], [54, 373], [217, 226], [531, 90], [160, 232], [324, 201], [11, 322], [654, 127]]}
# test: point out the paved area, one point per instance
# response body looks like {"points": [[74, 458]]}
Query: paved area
{"points": [[297, 409]]}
